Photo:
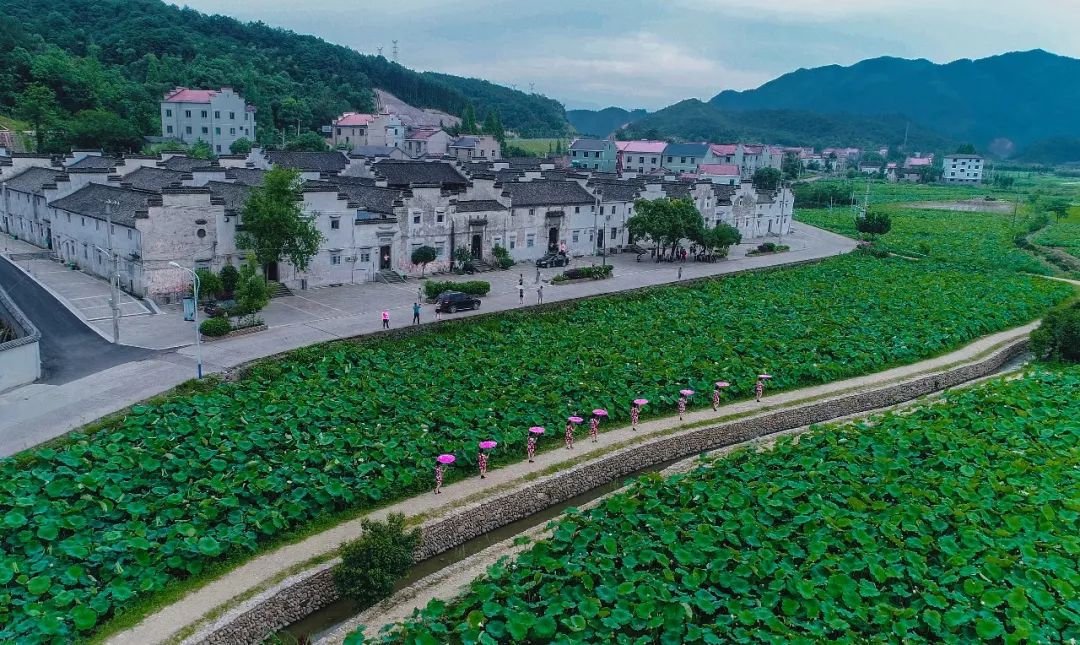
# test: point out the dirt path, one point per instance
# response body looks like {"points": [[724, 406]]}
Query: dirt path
{"points": [[269, 568]]}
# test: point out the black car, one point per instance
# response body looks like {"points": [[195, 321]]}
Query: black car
{"points": [[452, 301], [553, 260]]}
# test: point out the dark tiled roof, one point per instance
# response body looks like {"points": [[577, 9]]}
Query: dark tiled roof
{"points": [[406, 173], [235, 195], [591, 145], [94, 162], [546, 193], [479, 205], [618, 191], [90, 201], [465, 142], [351, 180], [371, 198], [246, 176], [676, 190], [686, 149], [309, 161], [723, 193], [153, 179], [372, 151], [32, 179], [185, 164], [766, 196]]}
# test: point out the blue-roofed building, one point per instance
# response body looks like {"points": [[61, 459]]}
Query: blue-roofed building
{"points": [[598, 155], [684, 157]]}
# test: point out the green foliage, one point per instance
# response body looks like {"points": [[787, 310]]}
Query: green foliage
{"points": [[1058, 337], [666, 222], [241, 146], [1058, 206], [874, 222], [200, 150], [180, 483], [821, 194], [462, 255], [229, 277], [37, 106], [209, 284], [493, 126], [307, 142], [593, 272], [373, 563], [468, 120], [502, 256], [947, 523], [252, 292], [1065, 235], [423, 255], [965, 149], [275, 227], [432, 288], [215, 327], [766, 178], [102, 129], [719, 238]]}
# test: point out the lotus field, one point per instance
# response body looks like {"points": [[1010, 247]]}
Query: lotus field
{"points": [[1064, 234], [953, 523], [99, 522], [975, 239]]}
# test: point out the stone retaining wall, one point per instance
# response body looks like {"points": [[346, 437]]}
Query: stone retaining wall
{"points": [[300, 595]]}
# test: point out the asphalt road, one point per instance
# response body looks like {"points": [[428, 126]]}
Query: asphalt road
{"points": [[69, 348]]}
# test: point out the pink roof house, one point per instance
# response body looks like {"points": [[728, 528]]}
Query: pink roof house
{"points": [[639, 156]]}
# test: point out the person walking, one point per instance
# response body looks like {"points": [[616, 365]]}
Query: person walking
{"points": [[521, 279], [530, 446], [569, 435], [385, 319], [416, 313], [537, 281], [481, 461], [716, 397], [594, 427], [680, 273], [635, 413], [682, 406], [438, 478], [540, 295], [759, 389], [419, 293], [521, 294]]}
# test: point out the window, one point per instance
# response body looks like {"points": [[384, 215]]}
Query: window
{"points": [[597, 154], [84, 221], [614, 232], [129, 233], [168, 112], [187, 114], [416, 218], [530, 240], [591, 233], [217, 130], [440, 246], [232, 116], [245, 115], [601, 210], [203, 114], [217, 114], [205, 130], [440, 214], [653, 161], [168, 129], [365, 256], [218, 147], [513, 240], [641, 159], [682, 159], [574, 236], [97, 224], [232, 130], [335, 223], [532, 211], [201, 233], [335, 258], [573, 153], [188, 129], [339, 132], [669, 159], [577, 209]]}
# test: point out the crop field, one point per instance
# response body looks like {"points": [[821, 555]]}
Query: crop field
{"points": [[1063, 233], [538, 147], [882, 192], [955, 522], [93, 525], [971, 239]]}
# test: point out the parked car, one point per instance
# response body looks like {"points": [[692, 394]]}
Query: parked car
{"points": [[451, 301], [219, 308], [553, 260]]}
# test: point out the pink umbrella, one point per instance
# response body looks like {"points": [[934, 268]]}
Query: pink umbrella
{"points": [[575, 419], [536, 430], [723, 384], [600, 412], [764, 376], [640, 401], [488, 445], [446, 459], [686, 392]]}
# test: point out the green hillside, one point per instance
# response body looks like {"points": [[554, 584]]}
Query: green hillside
{"points": [[601, 123], [117, 57]]}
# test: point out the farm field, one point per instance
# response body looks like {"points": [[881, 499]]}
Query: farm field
{"points": [[100, 522], [953, 522], [538, 147], [883, 192], [1063, 233], [972, 239]]}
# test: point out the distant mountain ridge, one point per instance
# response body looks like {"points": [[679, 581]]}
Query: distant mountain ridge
{"points": [[601, 123]]}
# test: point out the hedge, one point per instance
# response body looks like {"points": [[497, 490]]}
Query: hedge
{"points": [[432, 288]]}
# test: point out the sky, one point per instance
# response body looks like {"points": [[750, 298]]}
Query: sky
{"points": [[652, 53]]}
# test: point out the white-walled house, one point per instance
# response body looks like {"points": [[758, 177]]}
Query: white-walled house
{"points": [[962, 169], [218, 117]]}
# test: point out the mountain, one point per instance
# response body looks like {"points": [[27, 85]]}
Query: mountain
{"points": [[1017, 98], [115, 58], [1055, 151], [694, 120], [601, 123]]}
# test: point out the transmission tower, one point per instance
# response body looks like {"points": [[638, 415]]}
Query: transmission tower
{"points": [[379, 49], [532, 88], [395, 51]]}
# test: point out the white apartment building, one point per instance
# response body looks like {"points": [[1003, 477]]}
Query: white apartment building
{"points": [[962, 169], [218, 117]]}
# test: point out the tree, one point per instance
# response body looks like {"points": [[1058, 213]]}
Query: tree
{"points": [[102, 129], [209, 284], [965, 149], [373, 563], [790, 165], [423, 255], [766, 178], [1059, 206], [1058, 336], [307, 142], [873, 223], [241, 146], [275, 228], [37, 105], [666, 222], [229, 277], [493, 126], [200, 150], [468, 120], [720, 238], [252, 292], [292, 112], [462, 256]]}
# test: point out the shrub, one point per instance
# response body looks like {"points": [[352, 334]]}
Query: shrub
{"points": [[923, 248], [229, 277], [215, 327], [433, 288], [1037, 221], [766, 247], [873, 222], [423, 255], [1058, 337], [209, 284], [502, 257], [374, 562], [594, 272]]}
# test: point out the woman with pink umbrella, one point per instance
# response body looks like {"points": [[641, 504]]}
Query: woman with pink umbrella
{"points": [[570, 423], [594, 422], [635, 412], [683, 394], [482, 458], [439, 462], [716, 394], [759, 387], [530, 446]]}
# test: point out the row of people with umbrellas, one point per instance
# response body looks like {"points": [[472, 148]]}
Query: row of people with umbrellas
{"points": [[535, 432]]}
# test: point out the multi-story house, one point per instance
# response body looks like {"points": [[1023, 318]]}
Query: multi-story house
{"points": [[962, 169], [548, 215], [218, 117], [684, 158], [473, 146], [352, 130], [720, 173], [640, 156], [427, 142], [600, 155]]}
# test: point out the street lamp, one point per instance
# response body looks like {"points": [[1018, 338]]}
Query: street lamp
{"points": [[114, 274], [198, 340]]}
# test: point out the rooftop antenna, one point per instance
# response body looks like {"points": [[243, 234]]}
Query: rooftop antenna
{"points": [[395, 51]]}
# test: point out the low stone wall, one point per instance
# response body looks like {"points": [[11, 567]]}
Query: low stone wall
{"points": [[298, 596], [20, 358]]}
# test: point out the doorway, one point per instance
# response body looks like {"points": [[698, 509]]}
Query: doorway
{"points": [[271, 270], [384, 258], [600, 239], [477, 246], [553, 238]]}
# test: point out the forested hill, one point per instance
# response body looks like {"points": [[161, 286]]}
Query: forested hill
{"points": [[601, 123], [117, 57]]}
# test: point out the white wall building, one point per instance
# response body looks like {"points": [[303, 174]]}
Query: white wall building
{"points": [[962, 169], [218, 117]]}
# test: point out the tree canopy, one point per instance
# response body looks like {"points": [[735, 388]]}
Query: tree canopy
{"points": [[766, 178], [666, 222], [275, 227], [873, 222]]}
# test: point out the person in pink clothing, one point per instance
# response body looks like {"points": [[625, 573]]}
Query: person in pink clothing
{"points": [[594, 427], [635, 413], [759, 389], [481, 460], [682, 406], [438, 478], [716, 398], [530, 446], [569, 435], [385, 319]]}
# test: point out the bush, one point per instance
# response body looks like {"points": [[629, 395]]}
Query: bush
{"points": [[766, 247], [229, 277], [1058, 337], [594, 272], [424, 255], [923, 248], [502, 257], [374, 562], [215, 327], [209, 284], [1037, 221], [433, 288]]}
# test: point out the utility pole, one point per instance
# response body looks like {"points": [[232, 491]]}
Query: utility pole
{"points": [[114, 274], [783, 200], [395, 51]]}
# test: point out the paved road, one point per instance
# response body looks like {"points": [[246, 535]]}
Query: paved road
{"points": [[69, 349]]}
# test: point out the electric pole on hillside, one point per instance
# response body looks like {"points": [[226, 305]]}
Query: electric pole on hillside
{"points": [[379, 50], [114, 274], [395, 51]]}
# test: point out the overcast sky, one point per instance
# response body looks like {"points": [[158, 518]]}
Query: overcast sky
{"points": [[651, 53]]}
